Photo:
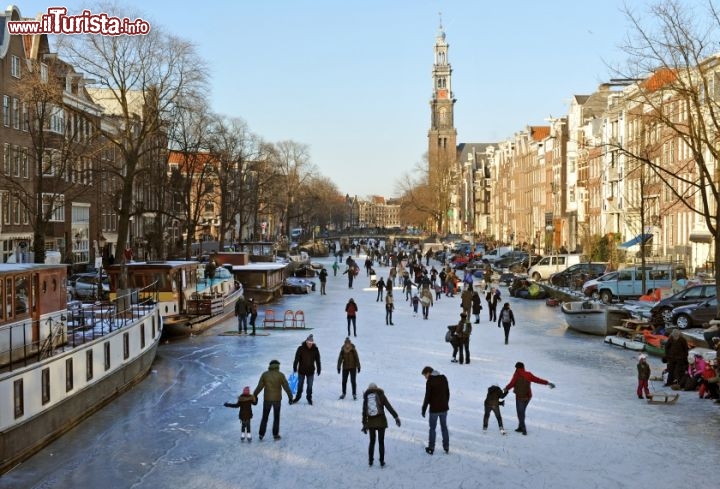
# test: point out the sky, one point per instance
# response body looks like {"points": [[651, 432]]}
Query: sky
{"points": [[352, 80], [172, 431]]}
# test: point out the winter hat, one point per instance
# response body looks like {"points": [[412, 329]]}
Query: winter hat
{"points": [[519, 365], [310, 339], [642, 356], [372, 385], [246, 391], [274, 362], [347, 340]]}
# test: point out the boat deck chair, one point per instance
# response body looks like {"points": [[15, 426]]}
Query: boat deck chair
{"points": [[299, 319], [289, 318], [269, 321]]}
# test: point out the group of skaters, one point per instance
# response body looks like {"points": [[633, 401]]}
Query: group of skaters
{"points": [[375, 403]]}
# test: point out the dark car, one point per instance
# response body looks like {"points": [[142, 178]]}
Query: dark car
{"points": [[508, 259], [576, 275], [524, 265], [694, 315], [661, 312]]}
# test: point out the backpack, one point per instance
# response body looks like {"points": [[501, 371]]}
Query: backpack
{"points": [[372, 405], [505, 316], [450, 333]]}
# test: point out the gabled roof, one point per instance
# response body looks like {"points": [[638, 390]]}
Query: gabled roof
{"points": [[538, 133], [463, 149]]}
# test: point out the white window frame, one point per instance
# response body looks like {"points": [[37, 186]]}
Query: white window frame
{"points": [[15, 66]]}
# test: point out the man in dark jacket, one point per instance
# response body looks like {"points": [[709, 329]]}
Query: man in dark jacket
{"points": [[241, 311], [307, 357], [437, 397], [273, 381], [323, 275], [676, 353], [349, 364]]}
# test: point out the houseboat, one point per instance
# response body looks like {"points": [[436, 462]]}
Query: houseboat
{"points": [[190, 300], [261, 280], [55, 371]]}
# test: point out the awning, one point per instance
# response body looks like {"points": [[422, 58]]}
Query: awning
{"points": [[644, 238], [700, 237]]}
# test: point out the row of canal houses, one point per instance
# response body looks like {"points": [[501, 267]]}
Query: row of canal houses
{"points": [[579, 177]]}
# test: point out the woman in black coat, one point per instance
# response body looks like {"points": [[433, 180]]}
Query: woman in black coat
{"points": [[373, 420], [476, 306]]}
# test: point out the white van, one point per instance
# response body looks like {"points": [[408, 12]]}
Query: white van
{"points": [[552, 264], [497, 253]]}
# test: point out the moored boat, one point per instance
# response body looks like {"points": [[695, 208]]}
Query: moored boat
{"points": [[592, 317], [55, 372], [189, 301]]}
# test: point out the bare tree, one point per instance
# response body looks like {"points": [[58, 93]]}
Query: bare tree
{"points": [[193, 176], [236, 151], [673, 51], [139, 80], [58, 166], [425, 195], [292, 161]]}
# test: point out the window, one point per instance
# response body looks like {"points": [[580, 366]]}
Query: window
{"points": [[88, 365], [17, 157], [16, 210], [142, 336], [6, 110], [126, 346], [24, 167], [43, 72], [15, 66], [54, 204], [6, 208], [18, 398], [68, 375], [7, 164], [25, 117], [106, 349], [45, 385], [16, 113]]}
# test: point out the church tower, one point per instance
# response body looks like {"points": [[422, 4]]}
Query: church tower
{"points": [[442, 136]]}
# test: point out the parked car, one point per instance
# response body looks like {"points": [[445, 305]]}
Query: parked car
{"points": [[694, 315], [297, 285], [591, 288], [629, 281], [661, 312], [576, 275], [552, 264], [88, 286], [508, 259]]}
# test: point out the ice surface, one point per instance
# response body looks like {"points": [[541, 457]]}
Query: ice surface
{"points": [[172, 431]]}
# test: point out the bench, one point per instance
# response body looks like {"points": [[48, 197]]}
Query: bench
{"points": [[632, 328]]}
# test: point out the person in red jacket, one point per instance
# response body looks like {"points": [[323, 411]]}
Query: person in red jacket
{"points": [[520, 383], [351, 310]]}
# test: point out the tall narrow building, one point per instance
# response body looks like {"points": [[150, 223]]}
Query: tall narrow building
{"points": [[442, 136]]}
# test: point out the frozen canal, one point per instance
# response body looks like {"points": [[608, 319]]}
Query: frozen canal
{"points": [[590, 432]]}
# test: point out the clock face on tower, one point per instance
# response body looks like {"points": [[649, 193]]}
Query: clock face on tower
{"points": [[442, 93]]}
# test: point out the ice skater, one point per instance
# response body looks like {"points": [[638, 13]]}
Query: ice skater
{"points": [[493, 401], [374, 420], [245, 403], [521, 383]]}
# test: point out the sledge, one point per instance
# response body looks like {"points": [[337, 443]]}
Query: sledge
{"points": [[625, 343], [551, 302], [663, 398]]}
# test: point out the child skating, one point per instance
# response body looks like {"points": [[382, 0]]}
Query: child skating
{"points": [[244, 402], [492, 403], [643, 370]]}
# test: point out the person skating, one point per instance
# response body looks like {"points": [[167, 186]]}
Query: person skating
{"points": [[253, 312], [492, 300], [307, 358], [245, 402], [335, 268], [241, 311], [521, 384], [476, 306], [507, 319], [374, 420], [463, 330], [380, 288], [389, 308], [323, 275], [351, 310], [426, 300], [273, 382], [643, 374], [466, 300], [437, 398], [349, 364], [492, 404]]}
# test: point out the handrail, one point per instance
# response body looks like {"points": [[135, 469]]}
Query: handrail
{"points": [[75, 328]]}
